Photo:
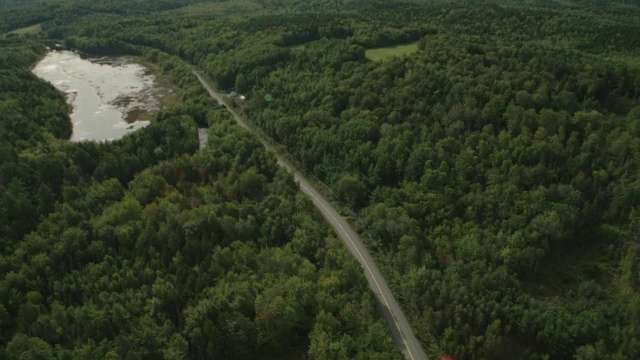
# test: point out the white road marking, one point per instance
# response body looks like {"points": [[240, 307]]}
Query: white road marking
{"points": [[364, 261]]}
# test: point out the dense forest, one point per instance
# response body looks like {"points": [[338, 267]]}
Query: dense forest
{"points": [[145, 248], [493, 170]]}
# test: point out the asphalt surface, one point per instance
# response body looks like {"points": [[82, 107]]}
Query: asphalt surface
{"points": [[402, 333]]}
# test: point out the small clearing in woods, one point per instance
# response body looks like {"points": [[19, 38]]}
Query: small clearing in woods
{"points": [[378, 54], [33, 29]]}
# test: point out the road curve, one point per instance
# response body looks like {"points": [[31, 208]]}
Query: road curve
{"points": [[402, 333]]}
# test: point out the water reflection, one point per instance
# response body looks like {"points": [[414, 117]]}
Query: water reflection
{"points": [[102, 92]]}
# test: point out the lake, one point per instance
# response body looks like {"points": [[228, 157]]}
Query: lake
{"points": [[104, 93]]}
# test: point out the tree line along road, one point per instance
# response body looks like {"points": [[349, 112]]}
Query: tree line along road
{"points": [[400, 328]]}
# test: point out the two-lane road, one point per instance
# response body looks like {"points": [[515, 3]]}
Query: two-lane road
{"points": [[402, 333]]}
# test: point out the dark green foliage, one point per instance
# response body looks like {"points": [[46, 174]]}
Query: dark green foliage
{"points": [[143, 248], [477, 164], [33, 114], [495, 172]]}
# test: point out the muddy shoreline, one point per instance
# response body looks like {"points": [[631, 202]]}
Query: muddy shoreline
{"points": [[109, 96]]}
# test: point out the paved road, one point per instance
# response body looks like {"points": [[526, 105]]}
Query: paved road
{"points": [[402, 333]]}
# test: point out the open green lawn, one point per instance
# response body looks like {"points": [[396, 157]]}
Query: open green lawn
{"points": [[27, 30], [386, 52]]}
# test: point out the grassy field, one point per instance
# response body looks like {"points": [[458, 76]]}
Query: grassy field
{"points": [[387, 52], [208, 9], [33, 29], [298, 47], [170, 93], [172, 97]]}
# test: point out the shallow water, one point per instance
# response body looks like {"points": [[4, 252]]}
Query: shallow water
{"points": [[102, 92]]}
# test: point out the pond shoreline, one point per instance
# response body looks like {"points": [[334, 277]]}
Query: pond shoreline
{"points": [[102, 92]]}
